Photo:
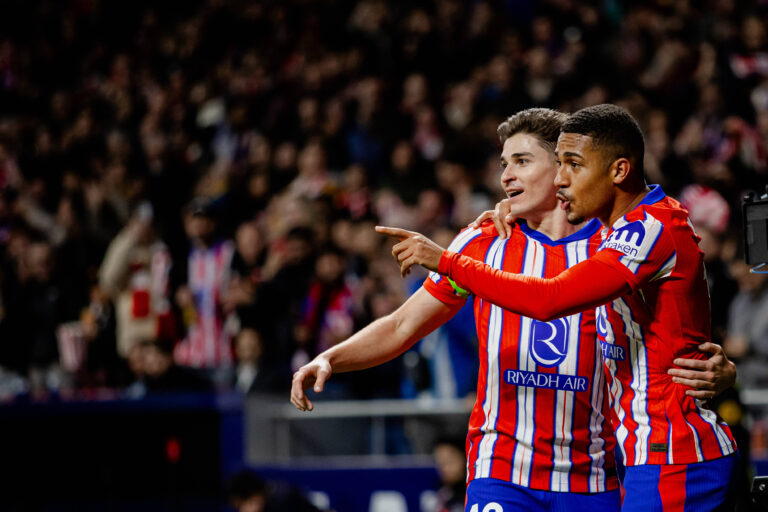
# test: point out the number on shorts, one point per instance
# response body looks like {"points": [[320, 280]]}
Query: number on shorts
{"points": [[491, 507]]}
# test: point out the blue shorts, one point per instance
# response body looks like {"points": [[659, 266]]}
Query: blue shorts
{"points": [[491, 495], [700, 487]]}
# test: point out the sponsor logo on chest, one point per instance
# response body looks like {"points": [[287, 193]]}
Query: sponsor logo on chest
{"points": [[546, 380], [548, 348], [627, 239]]}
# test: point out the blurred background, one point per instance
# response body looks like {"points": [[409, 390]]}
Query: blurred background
{"points": [[188, 191]]}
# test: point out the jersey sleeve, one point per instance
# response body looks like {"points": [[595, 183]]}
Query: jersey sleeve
{"points": [[443, 288], [643, 250], [584, 286]]}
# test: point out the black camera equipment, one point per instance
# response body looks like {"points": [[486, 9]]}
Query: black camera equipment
{"points": [[755, 215]]}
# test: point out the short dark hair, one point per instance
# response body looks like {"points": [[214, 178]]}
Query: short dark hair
{"points": [[542, 123], [244, 485], [613, 130]]}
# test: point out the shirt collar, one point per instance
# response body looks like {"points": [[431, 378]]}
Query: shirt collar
{"points": [[654, 195], [589, 229]]}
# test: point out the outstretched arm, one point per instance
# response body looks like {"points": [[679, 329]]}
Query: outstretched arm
{"points": [[586, 285], [381, 341]]}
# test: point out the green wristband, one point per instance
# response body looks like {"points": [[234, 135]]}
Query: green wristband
{"points": [[461, 292]]}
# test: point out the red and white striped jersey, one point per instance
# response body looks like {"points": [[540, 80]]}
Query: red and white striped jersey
{"points": [[666, 316], [541, 415], [207, 344]]}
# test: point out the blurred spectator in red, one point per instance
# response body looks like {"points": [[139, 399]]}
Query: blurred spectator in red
{"points": [[207, 344], [709, 212], [135, 274], [327, 315]]}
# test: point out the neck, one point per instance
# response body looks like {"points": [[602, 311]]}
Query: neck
{"points": [[553, 224], [624, 202]]}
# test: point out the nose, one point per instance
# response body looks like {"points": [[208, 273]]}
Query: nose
{"points": [[507, 175], [561, 178]]}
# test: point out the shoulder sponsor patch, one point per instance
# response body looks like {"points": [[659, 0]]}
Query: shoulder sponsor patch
{"points": [[627, 239]]}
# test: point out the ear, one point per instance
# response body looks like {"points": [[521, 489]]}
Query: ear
{"points": [[620, 170]]}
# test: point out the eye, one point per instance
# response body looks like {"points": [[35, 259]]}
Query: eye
{"points": [[522, 161], [558, 163], [575, 165]]}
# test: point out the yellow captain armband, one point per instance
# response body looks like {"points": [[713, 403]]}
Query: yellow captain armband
{"points": [[461, 292]]}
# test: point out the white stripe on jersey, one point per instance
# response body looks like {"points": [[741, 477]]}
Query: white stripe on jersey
{"points": [[533, 265], [596, 421], [617, 388], [469, 450], [495, 257], [710, 417], [639, 363], [670, 437], [699, 455], [562, 464], [458, 245], [666, 269]]}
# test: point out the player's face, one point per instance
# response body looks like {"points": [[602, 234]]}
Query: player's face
{"points": [[528, 174], [584, 184]]}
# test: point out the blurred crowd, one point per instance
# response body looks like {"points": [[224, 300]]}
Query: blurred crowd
{"points": [[188, 190]]}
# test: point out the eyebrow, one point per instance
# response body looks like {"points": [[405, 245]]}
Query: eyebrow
{"points": [[569, 153], [518, 155]]}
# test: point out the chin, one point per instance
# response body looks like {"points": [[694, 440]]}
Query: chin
{"points": [[575, 219]]}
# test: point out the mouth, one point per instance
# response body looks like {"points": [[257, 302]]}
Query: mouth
{"points": [[565, 203], [513, 193]]}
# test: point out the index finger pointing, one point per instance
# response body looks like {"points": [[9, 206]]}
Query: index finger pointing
{"points": [[402, 234]]}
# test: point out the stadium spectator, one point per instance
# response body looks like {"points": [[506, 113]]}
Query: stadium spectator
{"points": [[245, 277], [254, 372], [207, 344], [287, 272], [747, 335], [162, 375], [32, 317], [366, 105], [248, 492], [135, 274], [450, 462], [327, 315]]}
